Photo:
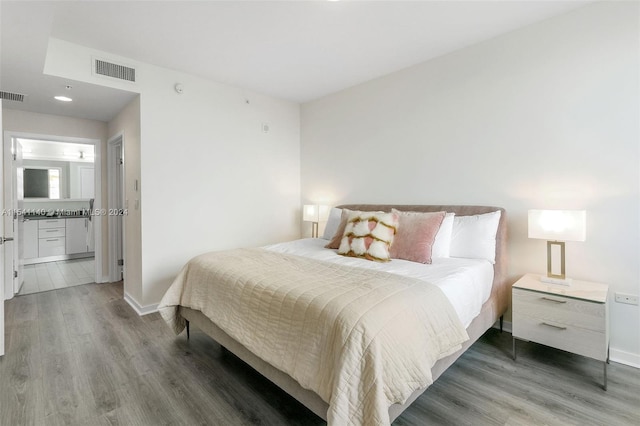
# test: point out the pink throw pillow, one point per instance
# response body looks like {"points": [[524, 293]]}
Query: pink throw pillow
{"points": [[416, 234]]}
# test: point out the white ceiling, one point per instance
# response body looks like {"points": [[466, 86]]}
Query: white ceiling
{"points": [[296, 50], [25, 28]]}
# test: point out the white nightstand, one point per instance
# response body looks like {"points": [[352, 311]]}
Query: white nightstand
{"points": [[573, 318]]}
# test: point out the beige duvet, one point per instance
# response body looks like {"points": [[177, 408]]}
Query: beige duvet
{"points": [[361, 339]]}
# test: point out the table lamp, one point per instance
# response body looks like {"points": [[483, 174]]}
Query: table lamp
{"points": [[557, 226], [315, 213]]}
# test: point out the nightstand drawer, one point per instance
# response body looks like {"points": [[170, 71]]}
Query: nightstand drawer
{"points": [[558, 309], [563, 336]]}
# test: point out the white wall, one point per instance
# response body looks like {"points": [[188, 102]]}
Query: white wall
{"points": [[57, 125], [210, 178], [543, 117]]}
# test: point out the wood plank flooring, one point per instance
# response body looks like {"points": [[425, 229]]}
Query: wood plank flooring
{"points": [[82, 356]]}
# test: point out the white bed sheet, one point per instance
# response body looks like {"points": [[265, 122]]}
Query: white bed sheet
{"points": [[466, 282]]}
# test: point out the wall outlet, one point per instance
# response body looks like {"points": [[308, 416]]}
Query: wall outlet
{"points": [[629, 299]]}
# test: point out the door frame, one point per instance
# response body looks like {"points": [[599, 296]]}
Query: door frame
{"points": [[114, 144], [97, 144]]}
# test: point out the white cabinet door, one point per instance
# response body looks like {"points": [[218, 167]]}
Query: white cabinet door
{"points": [[91, 244], [76, 235], [30, 239], [51, 246]]}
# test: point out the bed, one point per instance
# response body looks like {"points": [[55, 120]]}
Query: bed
{"points": [[309, 255]]}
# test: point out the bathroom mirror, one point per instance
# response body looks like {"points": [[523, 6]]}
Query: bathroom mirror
{"points": [[58, 179], [56, 170]]}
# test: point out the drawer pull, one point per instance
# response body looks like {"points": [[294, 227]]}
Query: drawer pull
{"points": [[554, 326], [553, 300], [52, 230], [55, 239]]}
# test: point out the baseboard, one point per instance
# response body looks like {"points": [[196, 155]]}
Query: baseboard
{"points": [[626, 358], [141, 310], [615, 355], [58, 258]]}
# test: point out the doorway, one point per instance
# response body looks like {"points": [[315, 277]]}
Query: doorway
{"points": [[53, 236]]}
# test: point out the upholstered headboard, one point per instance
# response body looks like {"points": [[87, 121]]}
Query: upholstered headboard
{"points": [[500, 293]]}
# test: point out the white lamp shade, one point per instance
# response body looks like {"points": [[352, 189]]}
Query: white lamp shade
{"points": [[558, 225], [310, 213], [323, 213]]}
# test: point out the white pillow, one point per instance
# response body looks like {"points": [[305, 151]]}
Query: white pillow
{"points": [[333, 222], [474, 237], [442, 243]]}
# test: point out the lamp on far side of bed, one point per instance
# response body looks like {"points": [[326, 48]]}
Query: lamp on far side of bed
{"points": [[315, 213], [557, 226]]}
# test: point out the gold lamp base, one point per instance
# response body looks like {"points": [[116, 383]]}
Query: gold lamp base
{"points": [[552, 278]]}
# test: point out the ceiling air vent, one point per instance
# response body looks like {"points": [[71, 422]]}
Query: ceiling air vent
{"points": [[8, 96], [118, 71]]}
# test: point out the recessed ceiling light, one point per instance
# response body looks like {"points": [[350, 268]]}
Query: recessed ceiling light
{"points": [[62, 98]]}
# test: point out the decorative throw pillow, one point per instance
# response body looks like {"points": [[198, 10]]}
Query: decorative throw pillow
{"points": [[369, 235], [334, 243], [474, 237], [416, 234], [442, 243]]}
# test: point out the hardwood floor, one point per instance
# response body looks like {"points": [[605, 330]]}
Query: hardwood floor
{"points": [[82, 356]]}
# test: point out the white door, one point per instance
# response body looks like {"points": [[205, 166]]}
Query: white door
{"points": [[2, 287], [115, 163], [18, 218], [13, 217], [119, 199]]}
